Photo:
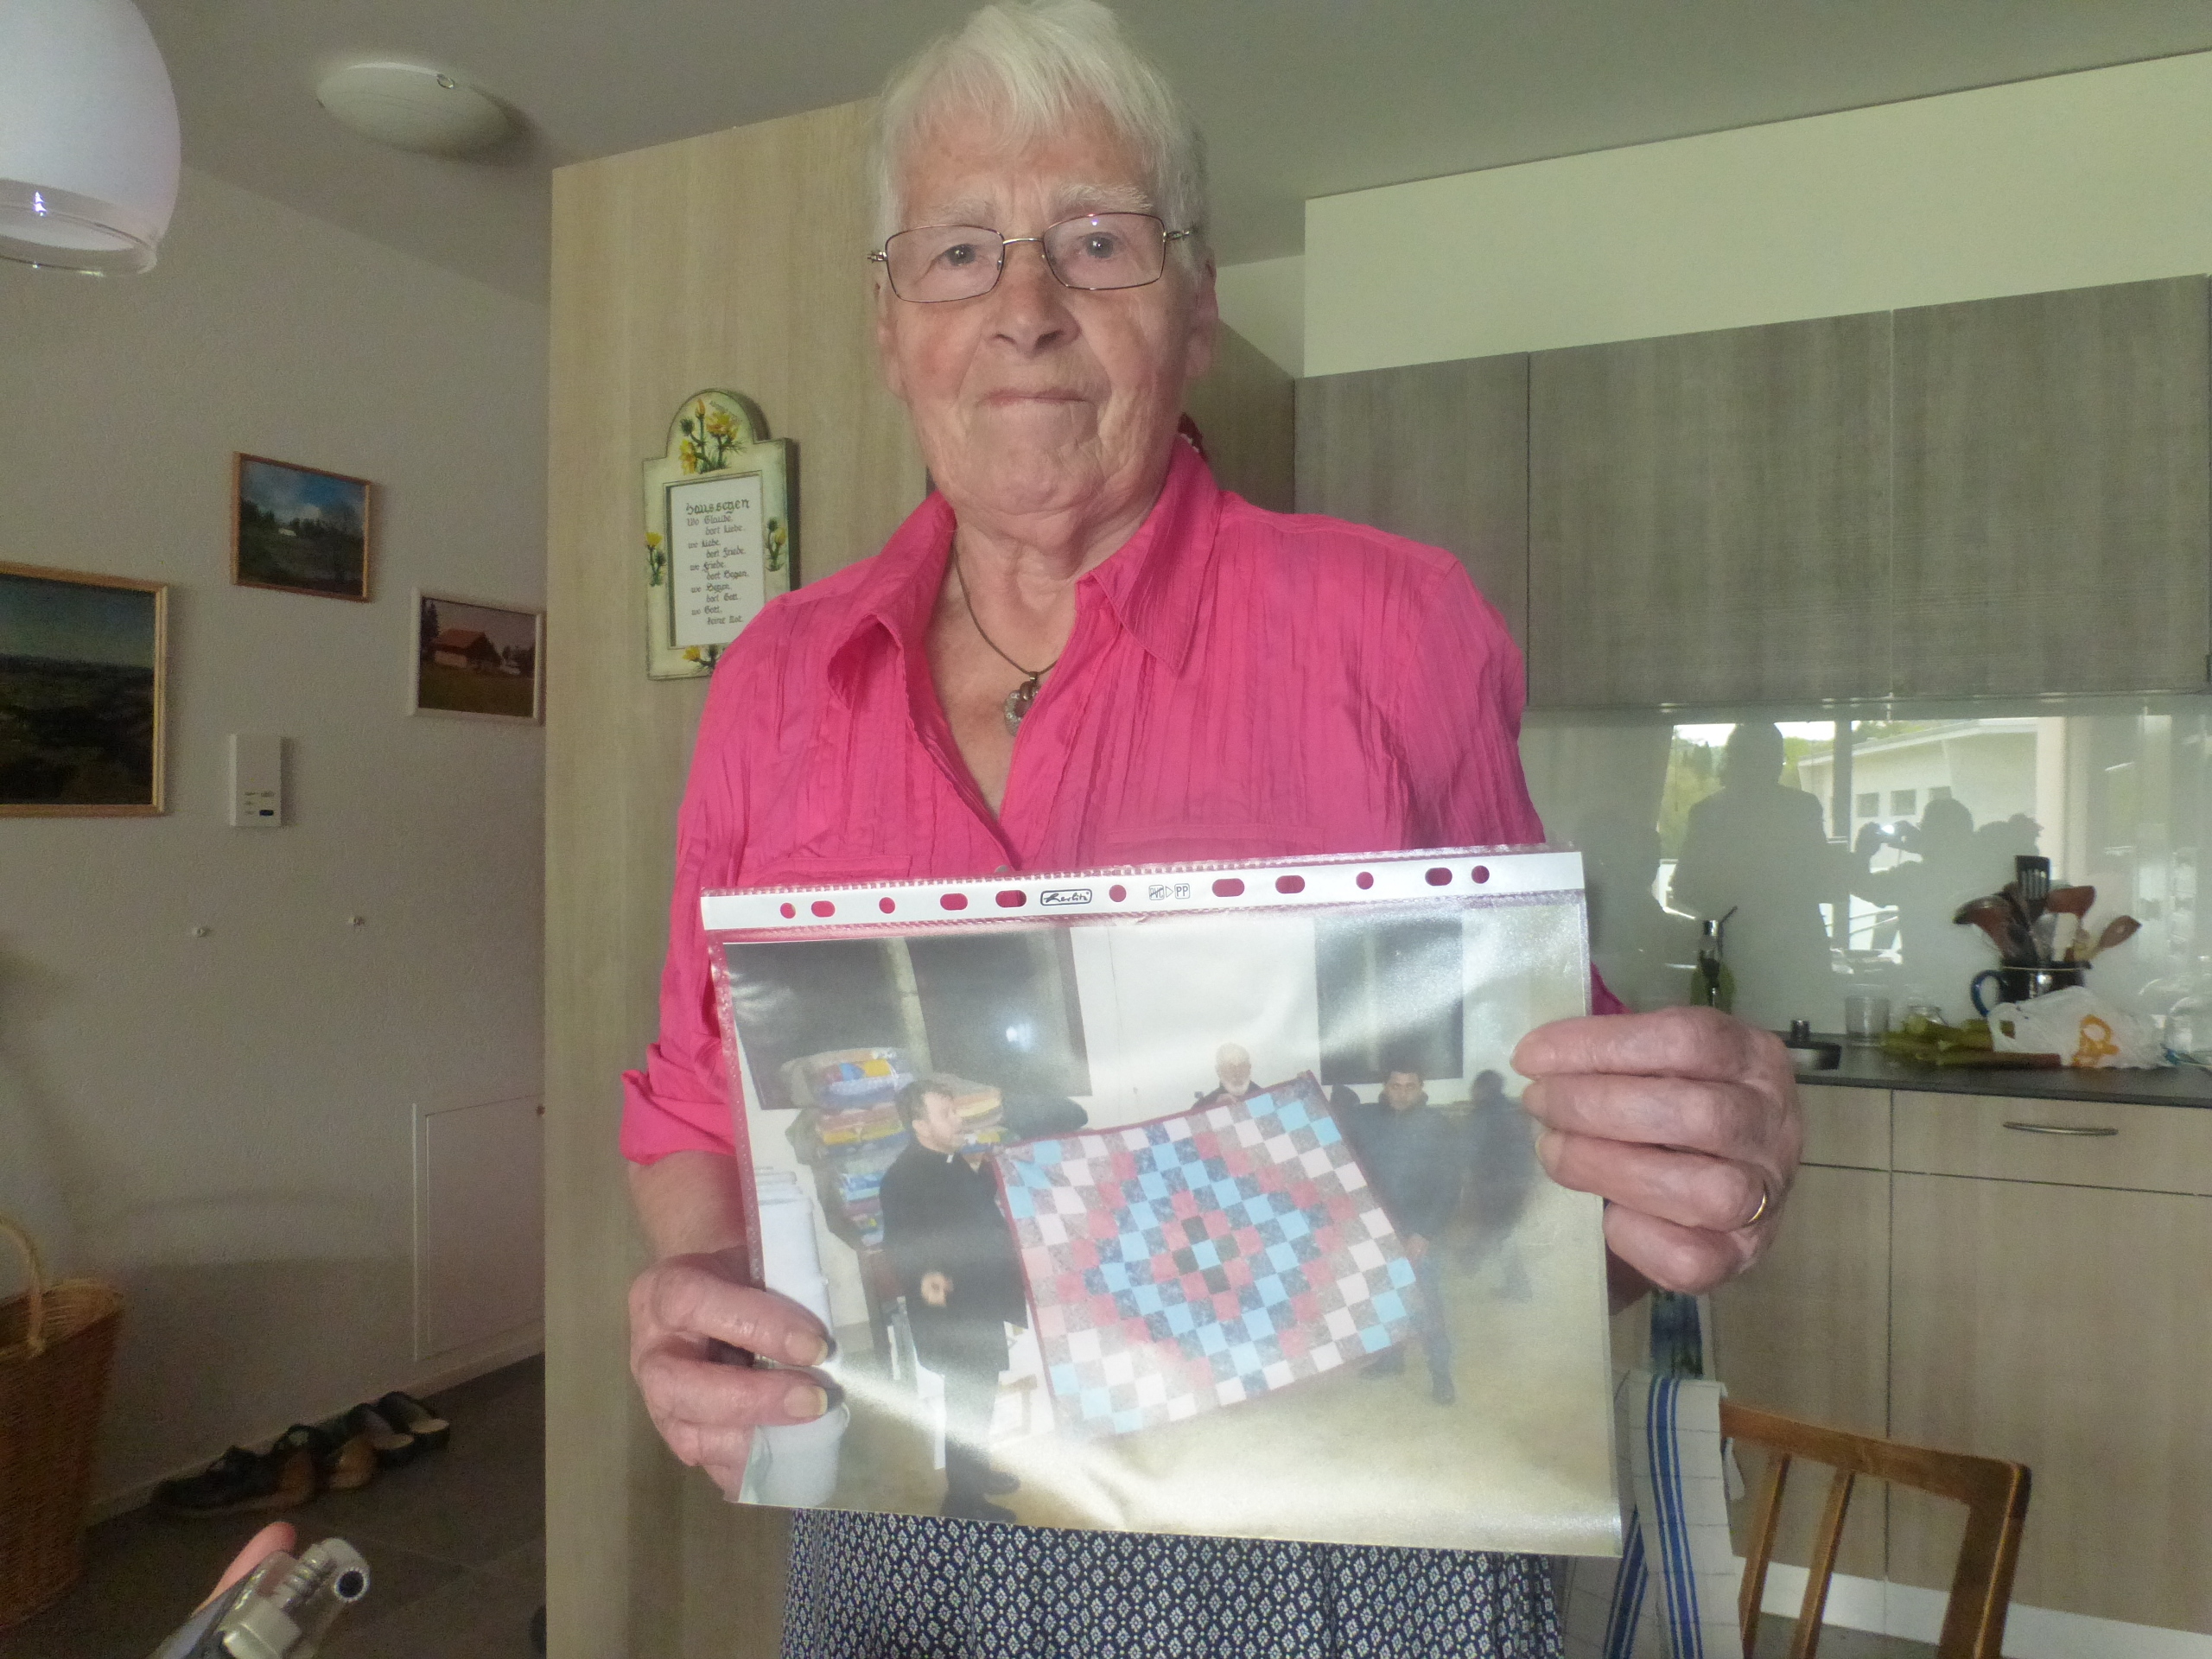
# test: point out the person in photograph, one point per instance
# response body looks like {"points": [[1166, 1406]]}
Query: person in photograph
{"points": [[1232, 1070], [953, 1252], [1416, 1160], [1192, 677], [1501, 1172]]}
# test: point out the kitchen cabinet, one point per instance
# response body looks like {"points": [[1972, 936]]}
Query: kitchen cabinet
{"points": [[1708, 516], [1807, 1331], [2065, 1327], [2053, 494], [1438, 453], [1953, 1274], [2006, 497], [2048, 1305]]}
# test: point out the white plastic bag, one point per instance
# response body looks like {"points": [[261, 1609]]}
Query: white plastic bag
{"points": [[2079, 1026]]}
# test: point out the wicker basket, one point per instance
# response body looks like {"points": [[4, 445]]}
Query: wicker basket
{"points": [[56, 1343]]}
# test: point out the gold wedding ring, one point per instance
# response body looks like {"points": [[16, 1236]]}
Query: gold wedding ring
{"points": [[1766, 1198]]}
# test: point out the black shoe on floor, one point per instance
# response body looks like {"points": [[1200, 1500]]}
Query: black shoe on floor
{"points": [[239, 1481], [973, 1506], [997, 1484], [1441, 1391], [394, 1447], [410, 1416]]}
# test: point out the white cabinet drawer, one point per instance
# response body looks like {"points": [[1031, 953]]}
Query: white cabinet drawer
{"points": [[2072, 1142]]}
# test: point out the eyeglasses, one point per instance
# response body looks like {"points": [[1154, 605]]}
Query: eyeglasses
{"points": [[958, 262]]}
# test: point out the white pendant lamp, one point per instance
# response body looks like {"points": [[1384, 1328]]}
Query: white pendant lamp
{"points": [[88, 136]]}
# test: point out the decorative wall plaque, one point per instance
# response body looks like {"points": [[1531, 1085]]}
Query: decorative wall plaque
{"points": [[719, 541]]}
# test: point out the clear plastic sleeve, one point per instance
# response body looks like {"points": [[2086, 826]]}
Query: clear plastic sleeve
{"points": [[1195, 1200]]}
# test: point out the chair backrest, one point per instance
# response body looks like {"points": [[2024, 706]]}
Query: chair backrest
{"points": [[1995, 1493]]}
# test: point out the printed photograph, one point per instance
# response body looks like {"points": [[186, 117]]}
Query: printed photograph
{"points": [[300, 529], [1225, 1223], [476, 659], [81, 693]]}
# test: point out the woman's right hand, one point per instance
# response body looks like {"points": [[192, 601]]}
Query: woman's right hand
{"points": [[707, 1410]]}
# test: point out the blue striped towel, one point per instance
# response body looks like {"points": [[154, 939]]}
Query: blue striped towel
{"points": [[1672, 1595]]}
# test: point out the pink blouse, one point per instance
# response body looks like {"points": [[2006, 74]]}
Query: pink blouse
{"points": [[1239, 684]]}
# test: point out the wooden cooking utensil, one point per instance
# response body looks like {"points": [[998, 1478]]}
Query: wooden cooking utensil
{"points": [[1994, 916], [2075, 902], [2118, 930]]}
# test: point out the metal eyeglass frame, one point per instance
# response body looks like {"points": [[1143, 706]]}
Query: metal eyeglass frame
{"points": [[882, 256]]}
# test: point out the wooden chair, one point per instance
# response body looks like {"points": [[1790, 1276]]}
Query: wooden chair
{"points": [[1995, 1493]]}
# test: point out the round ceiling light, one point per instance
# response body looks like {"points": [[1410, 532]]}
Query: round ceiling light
{"points": [[88, 138], [412, 107]]}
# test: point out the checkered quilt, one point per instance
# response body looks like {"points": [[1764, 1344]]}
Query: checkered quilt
{"points": [[1201, 1260]]}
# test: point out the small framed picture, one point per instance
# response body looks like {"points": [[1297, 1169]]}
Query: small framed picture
{"points": [[476, 660], [81, 686], [299, 530]]}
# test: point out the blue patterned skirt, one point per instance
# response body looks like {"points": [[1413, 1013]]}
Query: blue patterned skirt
{"points": [[896, 1586]]}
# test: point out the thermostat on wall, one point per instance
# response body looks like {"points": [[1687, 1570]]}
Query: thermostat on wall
{"points": [[256, 782]]}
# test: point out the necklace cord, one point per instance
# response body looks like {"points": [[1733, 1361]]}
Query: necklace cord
{"points": [[969, 605]]}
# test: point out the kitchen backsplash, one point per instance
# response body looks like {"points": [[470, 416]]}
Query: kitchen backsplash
{"points": [[1844, 840]]}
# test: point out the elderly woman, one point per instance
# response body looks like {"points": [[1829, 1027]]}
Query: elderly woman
{"points": [[1080, 651]]}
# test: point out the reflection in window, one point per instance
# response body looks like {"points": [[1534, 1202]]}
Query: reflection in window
{"points": [[2117, 794]]}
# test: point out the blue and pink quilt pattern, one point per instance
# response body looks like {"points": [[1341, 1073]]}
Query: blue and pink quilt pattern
{"points": [[1201, 1260]]}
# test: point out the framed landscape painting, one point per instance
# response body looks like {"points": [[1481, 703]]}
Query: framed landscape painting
{"points": [[476, 660], [81, 669], [299, 530]]}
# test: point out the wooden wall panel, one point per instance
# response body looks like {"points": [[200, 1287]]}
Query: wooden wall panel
{"points": [[734, 260]]}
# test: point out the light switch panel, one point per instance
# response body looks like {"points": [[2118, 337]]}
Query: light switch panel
{"points": [[256, 782]]}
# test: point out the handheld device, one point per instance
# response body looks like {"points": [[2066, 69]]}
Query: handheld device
{"points": [[282, 1610]]}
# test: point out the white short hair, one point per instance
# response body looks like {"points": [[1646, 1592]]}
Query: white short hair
{"points": [[1031, 66]]}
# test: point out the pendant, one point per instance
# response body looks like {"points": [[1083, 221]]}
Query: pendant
{"points": [[1018, 701]]}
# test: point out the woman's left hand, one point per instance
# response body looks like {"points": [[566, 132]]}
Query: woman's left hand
{"points": [[1684, 1121]]}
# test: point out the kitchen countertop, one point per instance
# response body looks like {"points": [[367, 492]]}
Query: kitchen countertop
{"points": [[1871, 1068]]}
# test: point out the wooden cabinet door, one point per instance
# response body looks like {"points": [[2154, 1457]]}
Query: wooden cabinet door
{"points": [[1244, 410], [2068, 1328], [1709, 516], [1438, 453], [2054, 492], [1806, 1332]]}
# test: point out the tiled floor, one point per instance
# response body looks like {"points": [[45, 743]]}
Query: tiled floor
{"points": [[1776, 1634], [455, 1543]]}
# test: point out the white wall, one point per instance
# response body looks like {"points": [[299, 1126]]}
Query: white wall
{"points": [[1264, 300], [2104, 176], [224, 1125]]}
